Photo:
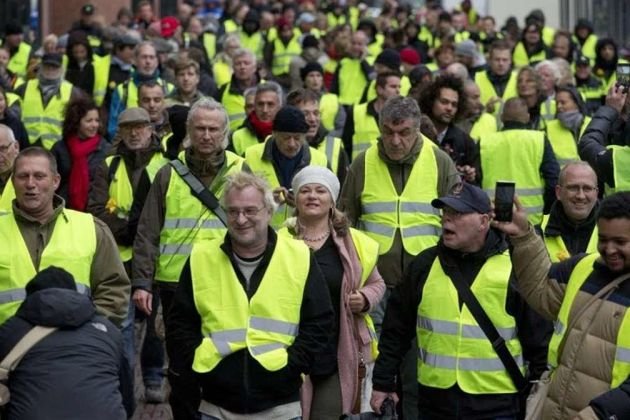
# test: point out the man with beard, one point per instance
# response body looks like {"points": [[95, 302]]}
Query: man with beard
{"points": [[443, 101], [475, 120], [317, 136]]}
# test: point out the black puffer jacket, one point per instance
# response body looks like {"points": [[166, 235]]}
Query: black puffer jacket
{"points": [[77, 372]]}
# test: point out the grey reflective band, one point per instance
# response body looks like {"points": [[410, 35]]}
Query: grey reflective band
{"points": [[47, 120], [175, 249], [422, 230], [469, 364], [266, 348], [558, 327], [623, 354], [417, 207], [221, 339], [364, 145], [529, 191], [330, 148], [563, 162], [379, 207], [12, 295], [191, 223], [238, 116], [468, 331], [377, 228], [274, 326]]}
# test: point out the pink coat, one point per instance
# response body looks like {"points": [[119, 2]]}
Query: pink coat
{"points": [[354, 336]]}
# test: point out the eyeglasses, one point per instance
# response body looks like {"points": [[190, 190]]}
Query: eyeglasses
{"points": [[248, 212], [574, 189], [5, 148]]}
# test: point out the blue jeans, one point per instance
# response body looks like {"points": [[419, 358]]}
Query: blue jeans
{"points": [[152, 351]]}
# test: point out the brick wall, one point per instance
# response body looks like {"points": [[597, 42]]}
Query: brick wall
{"points": [[62, 13]]}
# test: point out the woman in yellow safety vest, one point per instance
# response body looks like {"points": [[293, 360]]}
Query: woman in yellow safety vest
{"points": [[529, 88], [530, 49], [347, 259]]}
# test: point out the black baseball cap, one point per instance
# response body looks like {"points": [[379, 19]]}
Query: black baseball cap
{"points": [[465, 198]]}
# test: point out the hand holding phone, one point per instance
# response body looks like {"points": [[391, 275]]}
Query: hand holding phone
{"points": [[623, 76], [504, 200]]}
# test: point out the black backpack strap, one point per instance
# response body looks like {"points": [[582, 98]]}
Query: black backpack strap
{"points": [[113, 167], [498, 343], [198, 190]]}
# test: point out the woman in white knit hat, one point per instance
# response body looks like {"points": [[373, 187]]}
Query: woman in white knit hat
{"points": [[340, 380]]}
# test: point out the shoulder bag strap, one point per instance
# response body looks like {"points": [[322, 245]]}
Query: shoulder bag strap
{"points": [[197, 188], [498, 343], [32, 337]]}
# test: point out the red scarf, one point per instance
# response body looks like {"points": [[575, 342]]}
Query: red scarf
{"points": [[79, 181], [262, 128]]}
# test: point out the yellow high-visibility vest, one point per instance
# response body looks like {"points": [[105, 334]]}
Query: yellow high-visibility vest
{"points": [[267, 324], [555, 245], [562, 141], [44, 123], [72, 246], [366, 130], [452, 347], [384, 210]]}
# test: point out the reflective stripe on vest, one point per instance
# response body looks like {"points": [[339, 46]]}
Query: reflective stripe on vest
{"points": [[351, 81], [548, 109], [187, 221], [555, 244], [72, 246], [331, 147], [452, 348], [282, 55], [44, 123], [621, 169], [524, 150], [487, 89], [563, 142], [384, 210], [121, 193], [234, 105], [328, 109], [265, 169], [267, 324], [621, 367], [366, 130]]}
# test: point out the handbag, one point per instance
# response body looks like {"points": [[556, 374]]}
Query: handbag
{"points": [[538, 395]]}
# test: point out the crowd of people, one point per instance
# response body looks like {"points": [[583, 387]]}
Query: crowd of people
{"points": [[295, 201]]}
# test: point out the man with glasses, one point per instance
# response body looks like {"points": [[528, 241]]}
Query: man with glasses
{"points": [[251, 312], [387, 194], [173, 219], [459, 372], [570, 228], [9, 149], [118, 191]]}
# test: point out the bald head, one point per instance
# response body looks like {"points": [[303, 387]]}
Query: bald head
{"points": [[515, 110]]}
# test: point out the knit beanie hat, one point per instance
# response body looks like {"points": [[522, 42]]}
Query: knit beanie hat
{"points": [[389, 57], [410, 56], [317, 175], [290, 120], [309, 67], [50, 277]]}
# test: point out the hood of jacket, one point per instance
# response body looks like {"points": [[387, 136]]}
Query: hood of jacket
{"points": [[57, 307]]}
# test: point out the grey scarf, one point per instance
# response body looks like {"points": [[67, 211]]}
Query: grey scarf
{"points": [[571, 120], [49, 87]]}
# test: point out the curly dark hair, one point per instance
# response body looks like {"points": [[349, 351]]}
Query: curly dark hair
{"points": [[432, 92], [76, 109], [615, 206]]}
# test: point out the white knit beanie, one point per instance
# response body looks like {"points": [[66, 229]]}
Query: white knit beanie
{"points": [[317, 175]]}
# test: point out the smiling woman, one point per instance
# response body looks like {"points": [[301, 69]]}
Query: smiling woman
{"points": [[80, 151]]}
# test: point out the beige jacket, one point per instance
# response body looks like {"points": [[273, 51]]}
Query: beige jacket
{"points": [[585, 365]]}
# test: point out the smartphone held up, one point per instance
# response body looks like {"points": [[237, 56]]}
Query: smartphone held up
{"points": [[503, 200]]}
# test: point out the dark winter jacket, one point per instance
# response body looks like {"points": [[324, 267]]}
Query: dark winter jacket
{"points": [[592, 144], [77, 372], [239, 383]]}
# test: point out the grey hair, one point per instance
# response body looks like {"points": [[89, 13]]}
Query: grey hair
{"points": [[241, 180], [8, 131], [209, 104], [241, 52], [458, 70], [271, 87], [398, 109], [228, 38], [136, 51], [250, 91], [553, 66]]}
